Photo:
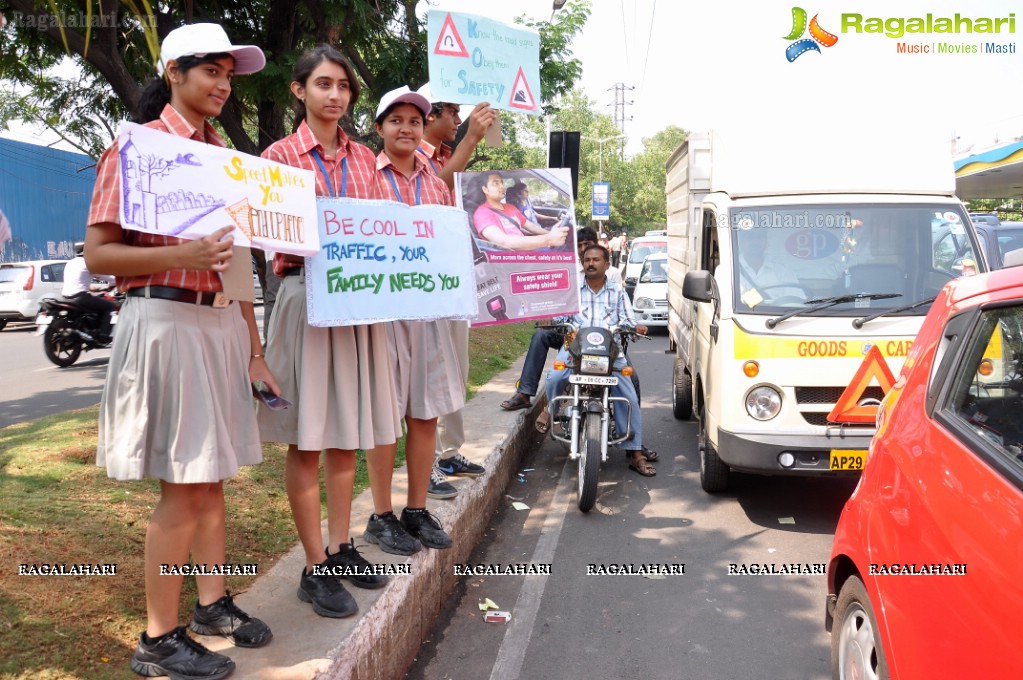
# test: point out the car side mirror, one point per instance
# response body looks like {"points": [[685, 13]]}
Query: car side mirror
{"points": [[698, 286]]}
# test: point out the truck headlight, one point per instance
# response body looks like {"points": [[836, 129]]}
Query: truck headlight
{"points": [[595, 364], [763, 403], [643, 303]]}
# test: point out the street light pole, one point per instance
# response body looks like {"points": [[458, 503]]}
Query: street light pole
{"points": [[600, 151]]}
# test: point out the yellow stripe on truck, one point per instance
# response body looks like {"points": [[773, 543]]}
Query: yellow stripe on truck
{"points": [[747, 346]]}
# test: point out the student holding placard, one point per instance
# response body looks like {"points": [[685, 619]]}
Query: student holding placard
{"points": [[340, 378], [426, 359], [440, 129], [177, 403]]}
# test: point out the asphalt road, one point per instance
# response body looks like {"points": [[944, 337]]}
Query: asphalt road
{"points": [[34, 387], [704, 624]]}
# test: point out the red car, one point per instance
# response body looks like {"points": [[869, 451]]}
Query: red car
{"points": [[926, 574]]}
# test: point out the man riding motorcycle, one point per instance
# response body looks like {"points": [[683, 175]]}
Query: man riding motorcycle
{"points": [[77, 287], [605, 304]]}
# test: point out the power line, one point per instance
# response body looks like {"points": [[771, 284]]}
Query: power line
{"points": [[649, 39], [625, 38]]}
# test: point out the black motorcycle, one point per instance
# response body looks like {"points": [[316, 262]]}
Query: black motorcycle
{"points": [[586, 413], [68, 329]]}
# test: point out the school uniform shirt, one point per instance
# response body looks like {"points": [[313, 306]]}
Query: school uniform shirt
{"points": [[106, 205], [297, 149], [434, 157], [431, 189]]}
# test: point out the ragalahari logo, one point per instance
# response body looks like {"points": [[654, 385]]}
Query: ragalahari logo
{"points": [[817, 35]]}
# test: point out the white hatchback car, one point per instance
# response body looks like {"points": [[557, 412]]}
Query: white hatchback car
{"points": [[23, 285], [650, 299]]}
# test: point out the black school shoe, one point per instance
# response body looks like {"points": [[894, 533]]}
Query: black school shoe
{"points": [[348, 563], [328, 597], [426, 528], [224, 618], [179, 657], [386, 531]]}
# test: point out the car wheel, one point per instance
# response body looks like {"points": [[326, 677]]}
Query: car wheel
{"points": [[713, 471], [682, 392], [3, 324], [856, 652]]}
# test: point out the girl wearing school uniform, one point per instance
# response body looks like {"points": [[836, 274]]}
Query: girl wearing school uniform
{"points": [[423, 354], [340, 379], [177, 403]]}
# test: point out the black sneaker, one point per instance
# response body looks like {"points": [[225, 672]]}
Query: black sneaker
{"points": [[224, 618], [426, 528], [348, 558], [386, 531], [440, 487], [328, 597], [180, 657], [460, 466]]}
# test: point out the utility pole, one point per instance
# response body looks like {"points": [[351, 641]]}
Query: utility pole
{"points": [[619, 115]]}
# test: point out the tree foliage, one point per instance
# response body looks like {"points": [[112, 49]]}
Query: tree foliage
{"points": [[104, 49]]}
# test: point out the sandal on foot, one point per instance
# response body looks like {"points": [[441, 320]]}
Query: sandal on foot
{"points": [[543, 422], [640, 465], [519, 401], [650, 455]]}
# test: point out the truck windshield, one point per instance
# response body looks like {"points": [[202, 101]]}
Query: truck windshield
{"points": [[788, 255]]}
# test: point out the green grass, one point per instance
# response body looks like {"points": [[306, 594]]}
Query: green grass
{"points": [[57, 506]]}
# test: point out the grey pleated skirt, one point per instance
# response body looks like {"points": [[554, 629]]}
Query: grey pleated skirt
{"points": [[340, 380], [177, 403], [430, 382]]}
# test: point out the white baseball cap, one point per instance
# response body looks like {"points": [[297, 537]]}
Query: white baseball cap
{"points": [[198, 40], [403, 95]]}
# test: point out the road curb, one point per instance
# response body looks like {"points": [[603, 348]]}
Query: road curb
{"points": [[384, 638]]}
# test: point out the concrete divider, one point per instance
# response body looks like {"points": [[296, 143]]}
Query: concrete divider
{"points": [[381, 641]]}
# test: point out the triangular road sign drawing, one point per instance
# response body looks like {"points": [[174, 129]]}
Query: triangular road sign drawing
{"points": [[521, 95], [847, 409], [449, 43]]}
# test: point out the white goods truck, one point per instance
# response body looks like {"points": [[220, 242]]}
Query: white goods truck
{"points": [[796, 287]]}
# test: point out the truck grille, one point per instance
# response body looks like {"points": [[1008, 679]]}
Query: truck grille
{"points": [[829, 396]]}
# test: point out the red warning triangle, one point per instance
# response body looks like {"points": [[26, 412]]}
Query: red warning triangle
{"points": [[847, 409], [521, 95], [449, 43]]}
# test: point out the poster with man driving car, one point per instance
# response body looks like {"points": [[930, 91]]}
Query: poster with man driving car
{"points": [[523, 229]]}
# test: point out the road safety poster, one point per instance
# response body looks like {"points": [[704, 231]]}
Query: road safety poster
{"points": [[474, 59], [523, 230], [383, 260], [183, 188]]}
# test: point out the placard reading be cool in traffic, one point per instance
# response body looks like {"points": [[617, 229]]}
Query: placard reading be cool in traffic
{"points": [[383, 260]]}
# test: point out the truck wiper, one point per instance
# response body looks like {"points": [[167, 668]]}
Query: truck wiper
{"points": [[817, 304], [858, 323]]}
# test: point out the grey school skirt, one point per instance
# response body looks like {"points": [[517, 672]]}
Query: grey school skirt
{"points": [[340, 380], [177, 403], [428, 359]]}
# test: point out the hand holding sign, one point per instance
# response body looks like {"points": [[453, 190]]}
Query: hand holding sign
{"points": [[210, 253]]}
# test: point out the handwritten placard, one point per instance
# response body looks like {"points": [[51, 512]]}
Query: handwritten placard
{"points": [[475, 59], [183, 188], [382, 261]]}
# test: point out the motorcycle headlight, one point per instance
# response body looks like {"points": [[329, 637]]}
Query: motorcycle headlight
{"points": [[643, 303], [595, 364], [763, 403]]}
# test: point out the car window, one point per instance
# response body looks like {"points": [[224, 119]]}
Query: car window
{"points": [[654, 271], [16, 275], [987, 388], [640, 251]]}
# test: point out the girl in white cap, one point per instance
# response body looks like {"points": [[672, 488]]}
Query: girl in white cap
{"points": [[177, 404], [339, 378], [426, 360]]}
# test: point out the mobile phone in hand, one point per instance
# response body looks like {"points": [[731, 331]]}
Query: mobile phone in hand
{"points": [[263, 392]]}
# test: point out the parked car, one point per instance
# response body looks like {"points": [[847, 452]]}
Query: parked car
{"points": [[641, 247], [985, 218], [923, 580], [650, 298], [23, 285], [998, 240]]}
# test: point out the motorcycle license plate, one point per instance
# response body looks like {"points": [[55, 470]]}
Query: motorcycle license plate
{"points": [[43, 320], [847, 459], [608, 380]]}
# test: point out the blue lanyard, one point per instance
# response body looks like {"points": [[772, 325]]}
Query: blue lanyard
{"points": [[326, 176], [394, 185], [430, 159]]}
